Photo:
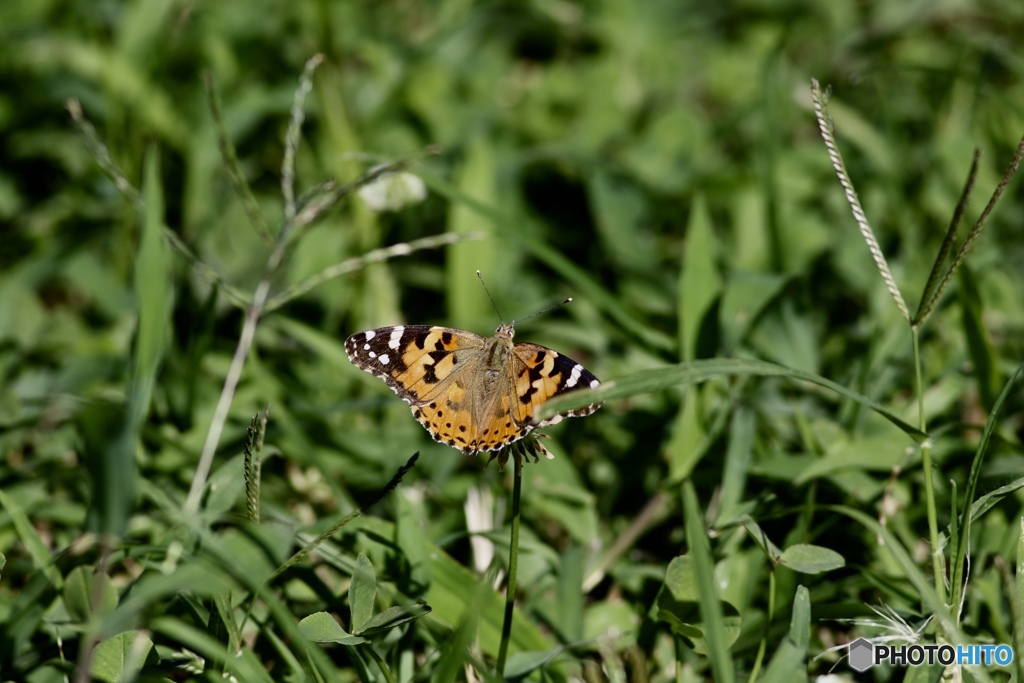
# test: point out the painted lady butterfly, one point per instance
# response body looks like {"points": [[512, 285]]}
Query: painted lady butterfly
{"points": [[472, 393]]}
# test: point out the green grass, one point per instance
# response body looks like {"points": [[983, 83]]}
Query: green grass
{"points": [[781, 446]]}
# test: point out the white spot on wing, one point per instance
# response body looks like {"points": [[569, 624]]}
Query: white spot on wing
{"points": [[595, 384], [366, 347], [396, 337], [370, 334], [372, 354], [574, 376], [384, 360]]}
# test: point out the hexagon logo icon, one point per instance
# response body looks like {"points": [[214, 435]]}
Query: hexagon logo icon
{"points": [[862, 655]]}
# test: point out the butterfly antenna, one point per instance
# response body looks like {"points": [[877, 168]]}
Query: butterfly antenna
{"points": [[490, 297], [549, 308]]}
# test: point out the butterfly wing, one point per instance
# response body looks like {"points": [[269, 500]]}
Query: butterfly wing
{"points": [[430, 368], [463, 399], [538, 373]]}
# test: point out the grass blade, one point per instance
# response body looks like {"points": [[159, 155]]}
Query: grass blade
{"points": [[949, 240], [701, 371], [973, 235], [699, 283], [789, 664], [710, 605], [972, 486]]}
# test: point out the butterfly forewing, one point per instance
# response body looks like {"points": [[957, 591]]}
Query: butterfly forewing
{"points": [[414, 360], [541, 373]]}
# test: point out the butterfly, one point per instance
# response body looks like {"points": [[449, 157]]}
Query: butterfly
{"points": [[470, 392]]}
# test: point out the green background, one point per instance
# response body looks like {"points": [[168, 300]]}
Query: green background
{"points": [[657, 161]]}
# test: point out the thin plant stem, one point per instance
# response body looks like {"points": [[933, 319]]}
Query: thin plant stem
{"points": [[956, 589], [291, 138], [926, 466], [759, 659], [245, 340], [230, 157], [315, 543], [331, 194], [513, 566], [380, 664], [357, 262], [234, 375], [918, 382], [101, 154], [1016, 594], [680, 651]]}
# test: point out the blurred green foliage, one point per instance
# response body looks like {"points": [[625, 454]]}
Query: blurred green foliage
{"points": [[657, 161]]}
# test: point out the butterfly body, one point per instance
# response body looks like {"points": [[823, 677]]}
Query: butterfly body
{"points": [[470, 392]]}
